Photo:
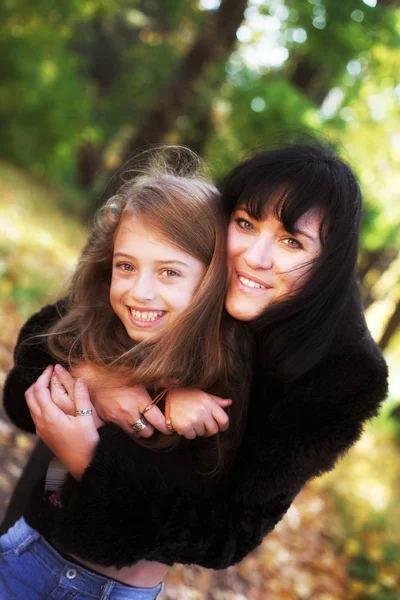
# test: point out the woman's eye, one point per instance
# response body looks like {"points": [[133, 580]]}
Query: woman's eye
{"points": [[292, 243], [170, 273], [243, 224]]}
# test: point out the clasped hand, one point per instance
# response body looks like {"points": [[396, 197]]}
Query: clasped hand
{"points": [[193, 412]]}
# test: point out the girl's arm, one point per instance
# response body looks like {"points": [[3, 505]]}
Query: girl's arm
{"points": [[72, 439], [193, 412]]}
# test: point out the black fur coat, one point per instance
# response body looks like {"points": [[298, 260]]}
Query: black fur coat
{"points": [[133, 503]]}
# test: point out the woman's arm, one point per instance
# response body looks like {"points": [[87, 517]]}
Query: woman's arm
{"points": [[130, 506], [31, 357], [310, 426]]}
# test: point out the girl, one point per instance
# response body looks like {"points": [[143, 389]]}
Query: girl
{"points": [[294, 218], [161, 243]]}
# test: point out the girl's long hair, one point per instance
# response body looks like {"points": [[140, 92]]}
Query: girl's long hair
{"points": [[296, 332], [196, 348]]}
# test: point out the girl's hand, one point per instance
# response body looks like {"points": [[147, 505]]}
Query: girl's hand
{"points": [[73, 439], [62, 386], [122, 404], [196, 413], [62, 390]]}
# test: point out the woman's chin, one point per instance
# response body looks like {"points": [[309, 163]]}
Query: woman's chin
{"points": [[240, 309]]}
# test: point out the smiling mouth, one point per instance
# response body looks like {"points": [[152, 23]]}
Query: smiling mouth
{"points": [[246, 283], [250, 283], [145, 316]]}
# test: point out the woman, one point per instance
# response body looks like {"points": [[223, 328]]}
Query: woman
{"points": [[318, 376]]}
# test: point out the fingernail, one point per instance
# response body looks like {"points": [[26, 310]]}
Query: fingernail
{"points": [[80, 383], [58, 369]]}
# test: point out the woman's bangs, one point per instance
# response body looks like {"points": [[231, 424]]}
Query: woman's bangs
{"points": [[261, 199], [287, 200], [294, 201]]}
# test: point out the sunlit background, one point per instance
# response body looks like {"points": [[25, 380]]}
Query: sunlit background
{"points": [[84, 84]]}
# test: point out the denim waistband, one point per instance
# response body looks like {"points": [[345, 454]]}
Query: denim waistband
{"points": [[71, 574]]}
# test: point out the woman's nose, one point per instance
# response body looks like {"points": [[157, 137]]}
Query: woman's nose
{"points": [[259, 254], [143, 288]]}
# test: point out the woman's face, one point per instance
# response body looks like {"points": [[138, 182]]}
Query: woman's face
{"points": [[265, 262], [153, 281]]}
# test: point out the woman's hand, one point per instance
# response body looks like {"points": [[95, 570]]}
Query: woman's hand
{"points": [[196, 413], [73, 439]]}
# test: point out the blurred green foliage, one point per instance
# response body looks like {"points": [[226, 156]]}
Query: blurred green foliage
{"points": [[78, 80]]}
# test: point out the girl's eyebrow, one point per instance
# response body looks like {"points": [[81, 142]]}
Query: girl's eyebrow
{"points": [[160, 262]]}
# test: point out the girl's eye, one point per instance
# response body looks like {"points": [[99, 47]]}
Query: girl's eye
{"points": [[124, 267], [293, 243], [170, 273], [243, 224]]}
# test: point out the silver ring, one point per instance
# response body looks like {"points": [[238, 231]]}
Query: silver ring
{"points": [[140, 424], [82, 412]]}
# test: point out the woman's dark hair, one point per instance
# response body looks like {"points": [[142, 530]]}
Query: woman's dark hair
{"points": [[295, 333]]}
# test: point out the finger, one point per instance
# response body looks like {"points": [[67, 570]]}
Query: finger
{"points": [[223, 402], [44, 379], [42, 396], [220, 417], [83, 402], [65, 379], [81, 396], [147, 432], [211, 427], [60, 396], [200, 429], [189, 434], [156, 418], [33, 406]]}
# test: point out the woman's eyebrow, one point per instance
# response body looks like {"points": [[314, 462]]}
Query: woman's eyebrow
{"points": [[298, 231]]}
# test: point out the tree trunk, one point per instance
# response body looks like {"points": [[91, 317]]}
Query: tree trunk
{"points": [[391, 328], [379, 261], [216, 40]]}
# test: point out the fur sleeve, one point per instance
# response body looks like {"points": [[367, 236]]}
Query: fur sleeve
{"points": [[125, 509], [31, 357], [310, 424]]}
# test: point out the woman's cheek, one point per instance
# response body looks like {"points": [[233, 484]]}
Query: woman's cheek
{"points": [[235, 244]]}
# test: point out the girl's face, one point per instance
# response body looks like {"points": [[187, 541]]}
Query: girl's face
{"points": [[153, 281], [266, 263]]}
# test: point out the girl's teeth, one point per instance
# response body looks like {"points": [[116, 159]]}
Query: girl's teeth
{"points": [[146, 316], [249, 283]]}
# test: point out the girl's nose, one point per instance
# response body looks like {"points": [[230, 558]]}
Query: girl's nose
{"points": [[259, 254], [143, 289]]}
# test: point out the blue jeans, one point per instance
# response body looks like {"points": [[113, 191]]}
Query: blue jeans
{"points": [[31, 569]]}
